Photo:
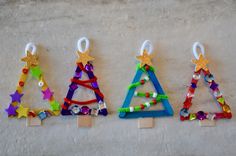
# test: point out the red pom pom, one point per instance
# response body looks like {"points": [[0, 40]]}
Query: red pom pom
{"points": [[142, 82], [147, 95]]}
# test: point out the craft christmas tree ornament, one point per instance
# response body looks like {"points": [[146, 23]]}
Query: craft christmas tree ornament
{"points": [[145, 67], [16, 108], [201, 67], [73, 107]]}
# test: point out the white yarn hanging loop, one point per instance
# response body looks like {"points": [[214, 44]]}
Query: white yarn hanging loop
{"points": [[30, 47], [201, 47], [79, 44], [147, 45]]}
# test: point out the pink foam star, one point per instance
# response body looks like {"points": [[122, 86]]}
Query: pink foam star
{"points": [[47, 94]]}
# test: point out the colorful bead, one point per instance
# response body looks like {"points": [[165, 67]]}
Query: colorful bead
{"points": [[74, 109], [214, 85], [211, 116], [40, 84], [201, 115], [42, 115], [209, 78], [102, 106], [193, 85], [131, 109], [184, 112], [192, 116], [217, 93], [226, 108], [85, 110], [135, 93], [154, 95], [146, 78], [94, 112], [190, 95], [147, 104], [196, 76]]}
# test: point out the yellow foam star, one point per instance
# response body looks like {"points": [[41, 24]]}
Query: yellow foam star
{"points": [[201, 63], [145, 59], [84, 57], [22, 111], [30, 59]]}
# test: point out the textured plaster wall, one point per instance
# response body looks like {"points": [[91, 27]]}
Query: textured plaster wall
{"points": [[117, 30]]}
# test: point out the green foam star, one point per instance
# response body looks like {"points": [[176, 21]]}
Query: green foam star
{"points": [[36, 72], [221, 100], [55, 106]]}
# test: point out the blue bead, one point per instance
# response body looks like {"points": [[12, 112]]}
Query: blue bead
{"points": [[209, 78], [193, 85], [184, 112], [42, 115]]}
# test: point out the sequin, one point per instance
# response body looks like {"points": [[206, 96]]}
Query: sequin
{"points": [[184, 112], [85, 110], [192, 116], [201, 115], [209, 78], [196, 76]]}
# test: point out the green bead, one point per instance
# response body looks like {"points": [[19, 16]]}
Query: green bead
{"points": [[192, 116]]}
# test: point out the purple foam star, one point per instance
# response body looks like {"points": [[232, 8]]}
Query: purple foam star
{"points": [[47, 94], [16, 97], [11, 110]]}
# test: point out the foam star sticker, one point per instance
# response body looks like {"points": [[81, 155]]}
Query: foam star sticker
{"points": [[84, 57], [201, 63], [30, 59], [47, 94], [36, 72], [22, 111], [55, 106], [145, 59], [16, 97], [11, 110]]}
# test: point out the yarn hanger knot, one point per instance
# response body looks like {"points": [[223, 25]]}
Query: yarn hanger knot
{"points": [[30, 47], [81, 41], [197, 45], [146, 46]]}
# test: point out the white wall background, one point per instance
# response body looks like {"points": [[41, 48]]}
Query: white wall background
{"points": [[117, 29]]}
